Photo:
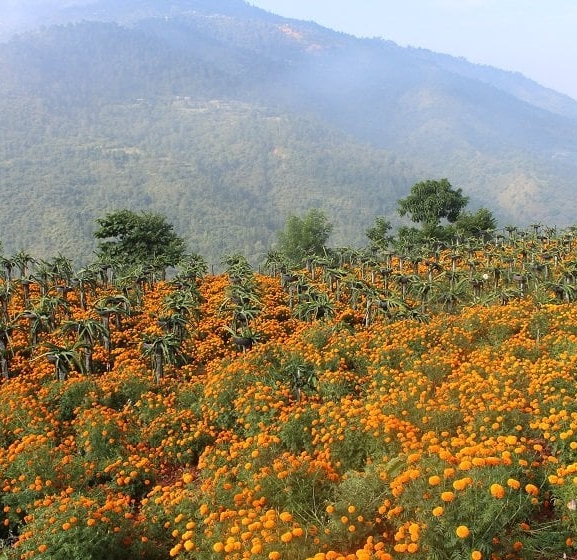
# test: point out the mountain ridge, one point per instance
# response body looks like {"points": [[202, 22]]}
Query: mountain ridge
{"points": [[102, 105]]}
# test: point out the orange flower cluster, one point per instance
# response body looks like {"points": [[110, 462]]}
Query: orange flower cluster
{"points": [[361, 434]]}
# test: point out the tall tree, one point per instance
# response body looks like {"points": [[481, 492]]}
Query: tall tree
{"points": [[428, 204], [477, 225], [305, 237], [378, 234], [131, 238]]}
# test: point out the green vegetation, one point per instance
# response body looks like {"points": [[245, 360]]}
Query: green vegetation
{"points": [[430, 201], [228, 125], [433, 201], [305, 237], [138, 239], [375, 403]]}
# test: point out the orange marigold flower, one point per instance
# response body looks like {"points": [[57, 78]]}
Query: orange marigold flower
{"points": [[462, 531], [447, 496], [286, 537], [434, 480], [512, 483], [497, 491], [460, 484]]}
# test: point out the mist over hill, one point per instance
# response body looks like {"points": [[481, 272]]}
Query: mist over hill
{"points": [[227, 119]]}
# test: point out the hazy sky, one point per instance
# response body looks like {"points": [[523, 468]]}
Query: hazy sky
{"points": [[535, 37]]}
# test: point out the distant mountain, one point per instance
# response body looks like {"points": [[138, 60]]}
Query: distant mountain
{"points": [[227, 118]]}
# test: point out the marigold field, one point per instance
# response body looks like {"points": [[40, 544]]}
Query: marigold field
{"points": [[422, 408]]}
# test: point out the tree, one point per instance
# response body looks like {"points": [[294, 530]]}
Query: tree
{"points": [[477, 225], [64, 359], [162, 350], [88, 331], [430, 202], [306, 237], [378, 234], [132, 239]]}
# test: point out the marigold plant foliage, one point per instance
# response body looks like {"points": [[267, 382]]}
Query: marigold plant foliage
{"points": [[430, 411]]}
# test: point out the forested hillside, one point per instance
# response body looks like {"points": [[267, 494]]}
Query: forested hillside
{"points": [[227, 119], [169, 156]]}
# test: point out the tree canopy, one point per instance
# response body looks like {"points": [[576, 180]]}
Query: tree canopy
{"points": [[475, 225], [304, 237], [378, 233], [132, 238], [432, 200]]}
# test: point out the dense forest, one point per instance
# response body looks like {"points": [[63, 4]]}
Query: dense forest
{"points": [[236, 199], [228, 119]]}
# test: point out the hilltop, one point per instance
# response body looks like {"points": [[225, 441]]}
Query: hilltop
{"points": [[227, 119]]}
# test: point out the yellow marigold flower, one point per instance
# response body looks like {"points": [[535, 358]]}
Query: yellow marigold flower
{"points": [[497, 491], [434, 480], [187, 478], [476, 555], [514, 484], [460, 484], [531, 489], [438, 511], [462, 531], [447, 496], [286, 516]]}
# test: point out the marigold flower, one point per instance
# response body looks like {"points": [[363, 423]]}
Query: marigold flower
{"points": [[286, 537], [462, 531], [514, 484], [447, 496], [497, 491], [434, 480], [460, 483]]}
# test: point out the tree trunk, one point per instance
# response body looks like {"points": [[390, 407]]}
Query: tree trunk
{"points": [[158, 367]]}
